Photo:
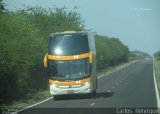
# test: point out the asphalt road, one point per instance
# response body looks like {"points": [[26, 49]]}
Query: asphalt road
{"points": [[127, 91]]}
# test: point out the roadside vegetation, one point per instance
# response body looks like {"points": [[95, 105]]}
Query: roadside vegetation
{"points": [[23, 44], [110, 51], [157, 68]]}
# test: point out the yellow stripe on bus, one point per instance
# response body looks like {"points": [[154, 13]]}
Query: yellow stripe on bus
{"points": [[45, 60], [74, 57], [69, 83]]}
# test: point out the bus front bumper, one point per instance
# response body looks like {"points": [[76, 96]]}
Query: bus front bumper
{"points": [[74, 89]]}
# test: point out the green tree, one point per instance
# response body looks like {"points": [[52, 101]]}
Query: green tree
{"points": [[53, 20], [2, 7], [23, 44], [110, 51], [21, 48]]}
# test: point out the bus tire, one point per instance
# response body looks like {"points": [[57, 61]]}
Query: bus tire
{"points": [[55, 97], [94, 93]]}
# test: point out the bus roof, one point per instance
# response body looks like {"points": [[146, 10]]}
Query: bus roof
{"points": [[68, 32]]}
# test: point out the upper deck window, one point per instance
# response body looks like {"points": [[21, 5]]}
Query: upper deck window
{"points": [[68, 44]]}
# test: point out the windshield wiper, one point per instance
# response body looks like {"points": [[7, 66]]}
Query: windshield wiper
{"points": [[79, 77], [59, 77]]}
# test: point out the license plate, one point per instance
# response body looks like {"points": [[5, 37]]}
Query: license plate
{"points": [[70, 91]]}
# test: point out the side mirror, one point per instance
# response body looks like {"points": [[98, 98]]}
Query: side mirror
{"points": [[90, 57], [45, 60]]}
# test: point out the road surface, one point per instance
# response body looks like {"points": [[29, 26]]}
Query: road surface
{"points": [[127, 91]]}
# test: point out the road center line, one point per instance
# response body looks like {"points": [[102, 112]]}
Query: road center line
{"points": [[109, 91], [92, 104], [117, 84]]}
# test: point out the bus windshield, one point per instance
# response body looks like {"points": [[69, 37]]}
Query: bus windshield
{"points": [[68, 44], [69, 70]]}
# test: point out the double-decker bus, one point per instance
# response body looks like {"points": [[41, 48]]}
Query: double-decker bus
{"points": [[71, 62]]}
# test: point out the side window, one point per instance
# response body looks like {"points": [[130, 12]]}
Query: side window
{"points": [[92, 43]]}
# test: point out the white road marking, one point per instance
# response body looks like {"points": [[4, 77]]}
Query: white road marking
{"points": [[156, 88], [116, 69], [33, 105]]}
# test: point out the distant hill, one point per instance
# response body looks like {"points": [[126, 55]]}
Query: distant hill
{"points": [[139, 55]]}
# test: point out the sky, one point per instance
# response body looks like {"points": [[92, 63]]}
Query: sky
{"points": [[135, 22]]}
